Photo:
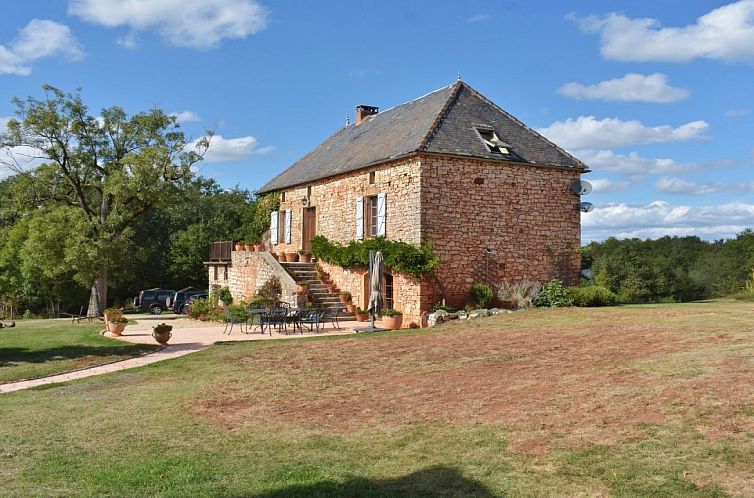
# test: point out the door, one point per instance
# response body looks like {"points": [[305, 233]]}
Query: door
{"points": [[309, 229]]}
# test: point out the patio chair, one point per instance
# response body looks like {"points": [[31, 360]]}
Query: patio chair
{"points": [[232, 320], [275, 318], [294, 319], [332, 314], [314, 319], [82, 315]]}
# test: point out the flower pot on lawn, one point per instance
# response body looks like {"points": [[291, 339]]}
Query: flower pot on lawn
{"points": [[392, 319], [116, 328], [162, 333], [291, 257]]}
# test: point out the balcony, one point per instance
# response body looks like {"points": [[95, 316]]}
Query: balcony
{"points": [[220, 252]]}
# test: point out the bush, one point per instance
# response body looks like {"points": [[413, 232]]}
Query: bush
{"points": [[225, 296], [520, 295], [270, 292], [390, 312], [592, 296], [201, 306], [482, 294], [399, 256], [553, 294]]}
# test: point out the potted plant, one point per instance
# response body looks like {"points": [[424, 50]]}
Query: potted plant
{"points": [[345, 297], [115, 322], [331, 287], [162, 333], [361, 315], [302, 288], [351, 308], [258, 247], [281, 257], [291, 257], [392, 319], [239, 245], [248, 246], [305, 257]]}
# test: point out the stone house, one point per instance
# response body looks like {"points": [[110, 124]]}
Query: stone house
{"points": [[452, 167]]}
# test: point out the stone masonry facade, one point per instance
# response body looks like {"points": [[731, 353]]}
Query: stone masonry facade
{"points": [[247, 272], [488, 221]]}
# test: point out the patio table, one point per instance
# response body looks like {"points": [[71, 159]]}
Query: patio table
{"points": [[260, 312]]}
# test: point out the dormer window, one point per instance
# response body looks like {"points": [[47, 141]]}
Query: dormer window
{"points": [[492, 141]]}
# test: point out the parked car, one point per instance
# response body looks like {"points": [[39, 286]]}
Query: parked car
{"points": [[186, 308], [177, 301], [153, 300]]}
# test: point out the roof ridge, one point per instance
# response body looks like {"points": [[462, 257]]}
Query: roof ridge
{"points": [[525, 127], [414, 100], [441, 114]]}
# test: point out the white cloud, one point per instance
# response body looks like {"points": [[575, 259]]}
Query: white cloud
{"points": [[661, 218], [630, 88], [636, 165], [38, 39], [186, 116], [223, 149], [479, 18], [587, 132], [127, 41], [605, 185], [185, 23], [736, 113], [725, 33], [678, 186]]}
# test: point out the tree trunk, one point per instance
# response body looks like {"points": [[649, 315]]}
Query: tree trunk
{"points": [[98, 295]]}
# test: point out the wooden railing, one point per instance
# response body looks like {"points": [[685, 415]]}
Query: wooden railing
{"points": [[220, 251]]}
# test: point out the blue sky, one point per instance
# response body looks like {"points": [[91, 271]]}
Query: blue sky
{"points": [[654, 96]]}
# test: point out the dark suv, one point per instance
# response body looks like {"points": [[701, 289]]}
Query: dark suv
{"points": [[153, 300], [180, 297]]}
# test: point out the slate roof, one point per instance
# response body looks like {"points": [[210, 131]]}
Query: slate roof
{"points": [[442, 122]]}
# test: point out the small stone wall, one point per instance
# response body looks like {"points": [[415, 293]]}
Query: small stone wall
{"points": [[248, 272]]}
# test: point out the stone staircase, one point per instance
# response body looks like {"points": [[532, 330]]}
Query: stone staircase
{"points": [[321, 297]]}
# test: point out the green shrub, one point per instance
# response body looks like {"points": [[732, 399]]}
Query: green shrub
{"points": [[390, 312], [201, 306], [270, 292], [444, 307], [592, 296], [553, 294], [482, 294], [519, 295], [399, 256], [224, 295]]}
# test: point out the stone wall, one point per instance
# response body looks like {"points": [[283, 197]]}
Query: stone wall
{"points": [[526, 214], [335, 200], [248, 272]]}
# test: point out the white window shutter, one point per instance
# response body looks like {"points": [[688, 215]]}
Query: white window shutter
{"points": [[359, 218], [287, 226], [274, 227], [381, 214]]}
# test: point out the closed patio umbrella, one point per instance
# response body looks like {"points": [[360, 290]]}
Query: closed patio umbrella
{"points": [[376, 268]]}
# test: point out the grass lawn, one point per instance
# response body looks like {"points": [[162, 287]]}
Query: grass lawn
{"points": [[631, 401], [37, 348]]}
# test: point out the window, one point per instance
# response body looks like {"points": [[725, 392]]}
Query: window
{"points": [[371, 217], [492, 141], [309, 191], [372, 178], [225, 273], [282, 197], [388, 291], [215, 268]]}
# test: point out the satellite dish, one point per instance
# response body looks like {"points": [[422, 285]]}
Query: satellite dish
{"points": [[581, 187], [586, 207]]}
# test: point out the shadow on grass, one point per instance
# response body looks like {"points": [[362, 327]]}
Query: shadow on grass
{"points": [[13, 356], [430, 482]]}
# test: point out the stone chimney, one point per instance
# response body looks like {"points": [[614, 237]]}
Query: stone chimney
{"points": [[364, 111]]}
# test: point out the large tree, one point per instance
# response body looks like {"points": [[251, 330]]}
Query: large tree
{"points": [[100, 175]]}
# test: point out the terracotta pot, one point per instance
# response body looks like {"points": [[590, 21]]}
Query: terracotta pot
{"points": [[116, 328], [248, 246], [302, 289], [351, 308], [306, 257], [331, 288], [162, 337], [345, 299], [239, 246], [258, 248], [282, 257], [363, 317], [291, 257], [392, 322]]}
